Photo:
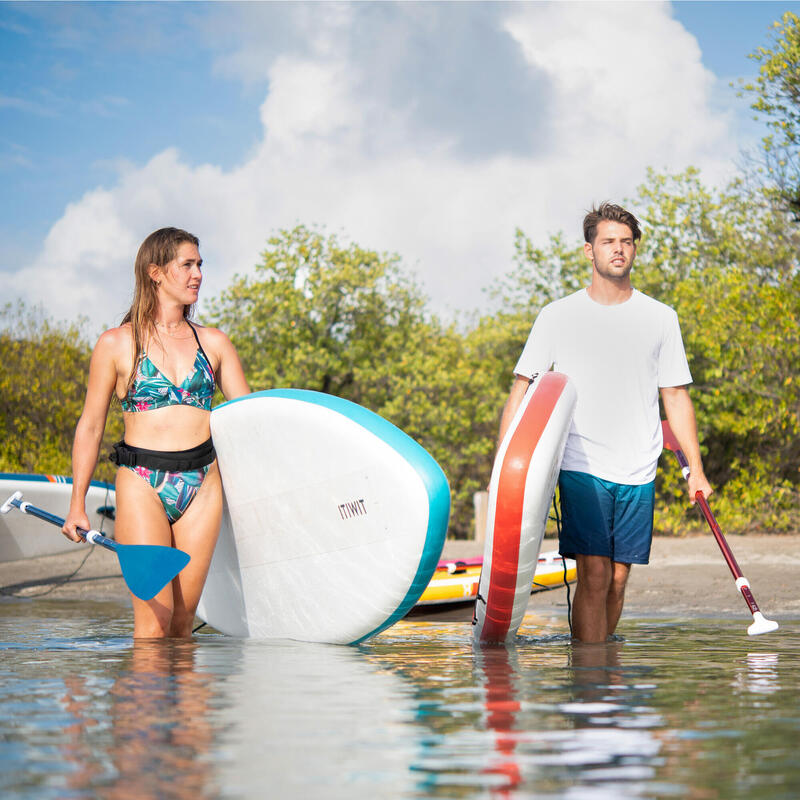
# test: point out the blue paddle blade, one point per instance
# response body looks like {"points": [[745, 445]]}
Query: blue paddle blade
{"points": [[148, 568]]}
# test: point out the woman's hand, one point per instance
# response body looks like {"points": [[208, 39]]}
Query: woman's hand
{"points": [[75, 519]]}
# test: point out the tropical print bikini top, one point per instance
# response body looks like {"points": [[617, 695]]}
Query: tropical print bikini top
{"points": [[152, 389]]}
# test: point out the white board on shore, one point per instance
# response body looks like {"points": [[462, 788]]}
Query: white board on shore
{"points": [[23, 536], [333, 521]]}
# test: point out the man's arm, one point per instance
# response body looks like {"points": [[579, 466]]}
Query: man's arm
{"points": [[515, 397], [681, 418]]}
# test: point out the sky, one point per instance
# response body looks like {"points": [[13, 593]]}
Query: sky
{"points": [[431, 130]]}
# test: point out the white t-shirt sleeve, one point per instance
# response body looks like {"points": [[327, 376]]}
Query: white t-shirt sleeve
{"points": [[673, 368], [537, 355]]}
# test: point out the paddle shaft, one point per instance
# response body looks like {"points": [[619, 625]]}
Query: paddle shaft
{"points": [[727, 554], [741, 582]]}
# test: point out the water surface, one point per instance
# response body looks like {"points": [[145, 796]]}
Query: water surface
{"points": [[680, 708]]}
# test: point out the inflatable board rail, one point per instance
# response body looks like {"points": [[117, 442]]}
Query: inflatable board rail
{"points": [[520, 492], [24, 537], [333, 521]]}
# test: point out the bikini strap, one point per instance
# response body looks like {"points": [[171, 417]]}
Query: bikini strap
{"points": [[200, 347], [194, 333]]}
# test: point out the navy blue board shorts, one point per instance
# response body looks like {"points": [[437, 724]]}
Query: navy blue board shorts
{"points": [[602, 518]]}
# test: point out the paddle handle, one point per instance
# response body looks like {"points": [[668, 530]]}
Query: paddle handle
{"points": [[684, 465]]}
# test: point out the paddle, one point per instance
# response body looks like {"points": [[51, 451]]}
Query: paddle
{"points": [[760, 623], [146, 568]]}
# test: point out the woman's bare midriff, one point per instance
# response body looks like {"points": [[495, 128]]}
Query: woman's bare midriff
{"points": [[170, 428]]}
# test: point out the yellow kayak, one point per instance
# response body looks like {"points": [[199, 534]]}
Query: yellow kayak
{"points": [[457, 581]]}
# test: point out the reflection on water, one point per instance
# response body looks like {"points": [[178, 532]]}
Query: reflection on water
{"points": [[312, 720], [690, 709], [759, 674], [96, 716], [159, 718]]}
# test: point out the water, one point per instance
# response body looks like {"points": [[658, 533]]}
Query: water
{"points": [[678, 709]]}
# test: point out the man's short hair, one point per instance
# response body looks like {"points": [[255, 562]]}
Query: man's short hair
{"points": [[609, 212]]}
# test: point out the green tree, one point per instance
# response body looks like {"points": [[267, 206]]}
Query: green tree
{"points": [[777, 92], [320, 315], [443, 396], [540, 274], [42, 387], [743, 341], [727, 260]]}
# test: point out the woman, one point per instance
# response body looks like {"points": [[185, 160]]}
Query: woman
{"points": [[164, 370]]}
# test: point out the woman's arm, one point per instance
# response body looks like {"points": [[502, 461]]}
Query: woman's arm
{"points": [[90, 428], [229, 374]]}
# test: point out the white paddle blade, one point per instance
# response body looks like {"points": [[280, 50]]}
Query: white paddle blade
{"points": [[761, 625]]}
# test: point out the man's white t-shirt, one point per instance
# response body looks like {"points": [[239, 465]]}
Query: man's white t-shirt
{"points": [[617, 357]]}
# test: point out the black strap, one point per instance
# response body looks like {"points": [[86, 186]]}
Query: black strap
{"points": [[200, 347], [125, 455]]}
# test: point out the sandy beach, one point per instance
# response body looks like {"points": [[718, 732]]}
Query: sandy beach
{"points": [[689, 577], [686, 577]]}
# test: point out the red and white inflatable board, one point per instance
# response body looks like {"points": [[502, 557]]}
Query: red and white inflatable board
{"points": [[520, 492]]}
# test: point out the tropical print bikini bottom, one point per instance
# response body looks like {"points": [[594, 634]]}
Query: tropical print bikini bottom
{"points": [[175, 490]]}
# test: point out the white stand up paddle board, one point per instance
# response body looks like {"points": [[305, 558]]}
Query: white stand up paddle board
{"points": [[520, 492], [23, 536], [333, 522]]}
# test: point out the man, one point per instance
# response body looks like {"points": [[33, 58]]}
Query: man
{"points": [[619, 347]]}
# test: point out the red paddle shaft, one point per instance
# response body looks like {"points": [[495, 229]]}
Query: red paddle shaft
{"points": [[726, 550], [760, 624]]}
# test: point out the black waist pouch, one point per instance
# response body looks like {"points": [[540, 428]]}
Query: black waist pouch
{"points": [[124, 455]]}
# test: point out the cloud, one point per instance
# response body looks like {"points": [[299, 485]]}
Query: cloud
{"points": [[104, 106], [431, 130], [17, 156], [25, 105], [626, 78]]}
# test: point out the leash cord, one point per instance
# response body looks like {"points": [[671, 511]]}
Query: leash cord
{"points": [[557, 518]]}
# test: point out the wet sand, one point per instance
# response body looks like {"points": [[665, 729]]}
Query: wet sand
{"points": [[686, 577]]}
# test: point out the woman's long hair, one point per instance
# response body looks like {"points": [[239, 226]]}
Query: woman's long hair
{"points": [[159, 248]]}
